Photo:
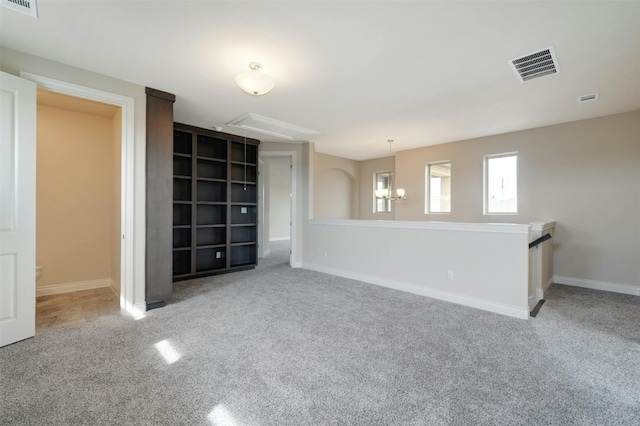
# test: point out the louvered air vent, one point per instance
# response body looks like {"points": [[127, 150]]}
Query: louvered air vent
{"points": [[588, 98], [534, 65], [27, 7]]}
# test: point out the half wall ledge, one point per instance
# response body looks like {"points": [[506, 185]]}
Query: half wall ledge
{"points": [[480, 265]]}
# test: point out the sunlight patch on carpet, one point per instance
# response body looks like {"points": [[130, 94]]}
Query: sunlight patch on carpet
{"points": [[167, 351], [220, 416]]}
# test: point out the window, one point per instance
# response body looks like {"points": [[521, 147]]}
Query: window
{"points": [[381, 184], [438, 185], [501, 183]]}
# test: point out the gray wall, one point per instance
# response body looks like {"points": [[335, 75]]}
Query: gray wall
{"points": [[585, 175]]}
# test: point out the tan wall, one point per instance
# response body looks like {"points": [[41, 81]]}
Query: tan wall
{"points": [[584, 175], [116, 205], [14, 62], [336, 189], [74, 213], [367, 170]]}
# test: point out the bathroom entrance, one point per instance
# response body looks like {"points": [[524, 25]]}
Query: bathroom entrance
{"points": [[78, 209]]}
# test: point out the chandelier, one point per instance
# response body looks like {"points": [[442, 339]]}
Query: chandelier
{"points": [[387, 193]]}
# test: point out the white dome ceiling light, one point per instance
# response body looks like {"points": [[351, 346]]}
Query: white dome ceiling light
{"points": [[255, 82]]}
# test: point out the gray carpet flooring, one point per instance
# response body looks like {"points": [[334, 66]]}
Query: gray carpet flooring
{"points": [[282, 346]]}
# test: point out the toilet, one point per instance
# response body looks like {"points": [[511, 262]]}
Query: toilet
{"points": [[38, 272]]}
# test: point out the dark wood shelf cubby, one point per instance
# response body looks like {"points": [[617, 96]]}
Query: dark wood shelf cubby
{"points": [[243, 214], [208, 259], [243, 234], [211, 169], [211, 236], [241, 193], [243, 173], [182, 237], [243, 255], [215, 202]]}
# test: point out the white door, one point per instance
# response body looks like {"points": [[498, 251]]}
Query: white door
{"points": [[17, 209]]}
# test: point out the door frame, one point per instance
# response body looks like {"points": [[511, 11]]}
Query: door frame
{"points": [[293, 213], [126, 172]]}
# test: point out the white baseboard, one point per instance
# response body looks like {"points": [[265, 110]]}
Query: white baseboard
{"points": [[74, 286], [512, 311], [279, 239], [598, 285], [139, 310], [140, 306], [115, 287], [540, 292]]}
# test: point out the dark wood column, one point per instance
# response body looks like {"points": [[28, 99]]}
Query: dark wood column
{"points": [[159, 198]]}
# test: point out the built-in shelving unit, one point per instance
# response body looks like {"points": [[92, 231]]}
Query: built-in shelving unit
{"points": [[215, 180]]}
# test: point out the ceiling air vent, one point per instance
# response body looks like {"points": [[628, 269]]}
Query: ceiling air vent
{"points": [[27, 7], [534, 65], [269, 126], [588, 98]]}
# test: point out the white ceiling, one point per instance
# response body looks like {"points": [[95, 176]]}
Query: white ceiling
{"points": [[359, 72]]}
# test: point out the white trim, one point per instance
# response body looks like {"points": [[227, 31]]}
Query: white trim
{"points": [[127, 155], [543, 226], [295, 242], [509, 310], [533, 301], [48, 290], [500, 228], [115, 287], [137, 310], [140, 307], [540, 292], [280, 239], [598, 285]]}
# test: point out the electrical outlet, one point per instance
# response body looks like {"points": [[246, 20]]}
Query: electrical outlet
{"points": [[218, 254], [450, 275], [243, 210], [325, 254]]}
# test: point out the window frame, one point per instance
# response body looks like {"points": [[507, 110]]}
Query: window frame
{"points": [[375, 185], [427, 183], [485, 183]]}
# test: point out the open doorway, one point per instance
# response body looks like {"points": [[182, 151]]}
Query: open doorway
{"points": [[127, 178], [78, 209], [276, 208]]}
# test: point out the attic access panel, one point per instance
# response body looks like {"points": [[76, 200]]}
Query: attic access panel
{"points": [[269, 126]]}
